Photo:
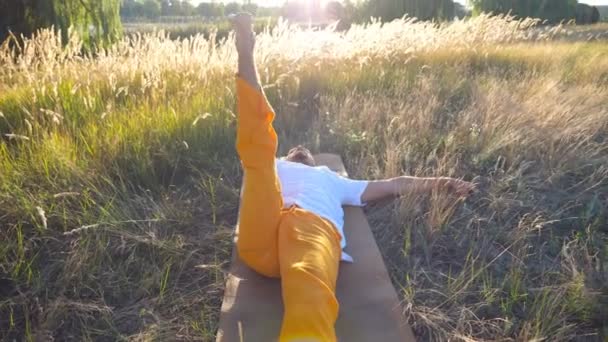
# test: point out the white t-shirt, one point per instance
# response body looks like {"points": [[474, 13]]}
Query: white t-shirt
{"points": [[320, 191]]}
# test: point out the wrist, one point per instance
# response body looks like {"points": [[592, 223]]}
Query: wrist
{"points": [[445, 183]]}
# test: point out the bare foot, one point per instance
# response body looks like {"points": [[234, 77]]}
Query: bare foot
{"points": [[243, 28]]}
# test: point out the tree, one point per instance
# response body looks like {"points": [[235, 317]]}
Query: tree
{"points": [[96, 21], [422, 9], [205, 9], [151, 9], [187, 9], [250, 8], [131, 9], [335, 10], [176, 8], [586, 14], [595, 16], [461, 11], [165, 7], [219, 10], [551, 10], [232, 8], [210, 10], [264, 11]]}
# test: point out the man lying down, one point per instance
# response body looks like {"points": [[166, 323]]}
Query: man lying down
{"points": [[291, 218]]}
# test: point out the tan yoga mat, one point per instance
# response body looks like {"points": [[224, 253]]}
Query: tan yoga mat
{"points": [[369, 307]]}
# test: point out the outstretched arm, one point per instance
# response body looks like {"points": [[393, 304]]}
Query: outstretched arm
{"points": [[245, 43], [404, 185]]}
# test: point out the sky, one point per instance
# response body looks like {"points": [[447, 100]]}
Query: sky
{"points": [[279, 2]]}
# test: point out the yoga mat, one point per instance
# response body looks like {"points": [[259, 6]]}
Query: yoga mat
{"points": [[369, 307]]}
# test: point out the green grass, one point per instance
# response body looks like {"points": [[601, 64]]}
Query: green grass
{"points": [[119, 180]]}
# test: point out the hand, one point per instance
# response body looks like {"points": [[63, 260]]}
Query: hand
{"points": [[244, 35], [459, 187]]}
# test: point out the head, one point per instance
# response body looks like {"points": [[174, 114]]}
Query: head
{"points": [[300, 154]]}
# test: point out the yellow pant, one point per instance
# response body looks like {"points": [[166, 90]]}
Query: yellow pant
{"points": [[296, 245]]}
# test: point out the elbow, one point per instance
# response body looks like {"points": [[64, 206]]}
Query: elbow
{"points": [[389, 188], [377, 190]]}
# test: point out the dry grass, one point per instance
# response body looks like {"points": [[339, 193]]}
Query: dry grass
{"points": [[119, 181], [190, 28]]}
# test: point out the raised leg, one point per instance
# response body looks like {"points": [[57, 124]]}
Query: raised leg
{"points": [[261, 200]]}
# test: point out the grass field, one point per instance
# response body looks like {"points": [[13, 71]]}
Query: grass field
{"points": [[119, 180], [187, 29]]}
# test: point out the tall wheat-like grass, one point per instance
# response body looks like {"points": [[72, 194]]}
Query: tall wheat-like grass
{"points": [[119, 181], [45, 59]]}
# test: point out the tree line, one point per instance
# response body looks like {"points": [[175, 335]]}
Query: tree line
{"points": [[96, 21], [99, 21], [422, 9], [553, 11], [154, 9]]}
